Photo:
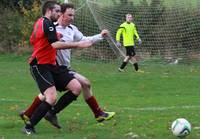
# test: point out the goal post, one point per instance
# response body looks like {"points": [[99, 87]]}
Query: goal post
{"points": [[110, 38], [169, 29]]}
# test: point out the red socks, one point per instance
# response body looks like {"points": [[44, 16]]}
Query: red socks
{"points": [[92, 102], [33, 106]]}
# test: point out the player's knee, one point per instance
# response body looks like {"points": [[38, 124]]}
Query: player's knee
{"points": [[74, 86], [76, 89], [50, 95], [41, 97], [51, 100], [86, 83]]}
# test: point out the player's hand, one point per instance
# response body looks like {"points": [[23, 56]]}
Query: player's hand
{"points": [[139, 41], [59, 35], [104, 33], [85, 44], [118, 44]]}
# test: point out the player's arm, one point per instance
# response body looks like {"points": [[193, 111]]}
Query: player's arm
{"points": [[95, 38], [137, 35], [50, 32], [118, 34], [69, 45], [98, 37]]}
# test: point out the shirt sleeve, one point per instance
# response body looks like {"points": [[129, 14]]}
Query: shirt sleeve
{"points": [[95, 38], [50, 31], [78, 36], [119, 32], [135, 32]]}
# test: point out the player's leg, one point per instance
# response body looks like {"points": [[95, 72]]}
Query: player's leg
{"points": [[75, 88], [127, 58], [41, 110], [124, 63], [63, 102], [45, 82], [99, 114], [67, 83], [134, 60], [135, 63], [136, 66], [87, 94], [26, 115]]}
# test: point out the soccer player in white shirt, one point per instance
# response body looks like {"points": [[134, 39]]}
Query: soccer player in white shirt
{"points": [[70, 33]]}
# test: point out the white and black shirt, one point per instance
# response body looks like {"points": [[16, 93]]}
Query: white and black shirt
{"points": [[71, 34]]}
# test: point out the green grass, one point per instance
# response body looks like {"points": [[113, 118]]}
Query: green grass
{"points": [[146, 104]]}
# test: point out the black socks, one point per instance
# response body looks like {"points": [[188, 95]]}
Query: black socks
{"points": [[40, 112], [63, 102]]}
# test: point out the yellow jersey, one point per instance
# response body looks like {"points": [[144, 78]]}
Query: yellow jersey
{"points": [[128, 32]]}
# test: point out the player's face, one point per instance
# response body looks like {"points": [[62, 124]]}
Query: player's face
{"points": [[129, 18], [68, 16], [55, 13]]}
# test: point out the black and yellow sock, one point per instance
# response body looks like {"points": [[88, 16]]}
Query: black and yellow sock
{"points": [[123, 65], [136, 66]]}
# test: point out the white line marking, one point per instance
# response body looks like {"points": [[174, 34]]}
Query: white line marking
{"points": [[124, 108]]}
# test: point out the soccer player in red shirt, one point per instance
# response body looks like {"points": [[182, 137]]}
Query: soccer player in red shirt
{"points": [[70, 33], [49, 76]]}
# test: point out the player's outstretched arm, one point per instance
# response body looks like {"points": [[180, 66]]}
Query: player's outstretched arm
{"points": [[69, 45], [95, 38]]}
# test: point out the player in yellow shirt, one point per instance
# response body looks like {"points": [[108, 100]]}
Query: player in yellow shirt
{"points": [[129, 34]]}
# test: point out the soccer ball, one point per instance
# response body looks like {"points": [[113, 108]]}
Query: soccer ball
{"points": [[181, 127]]}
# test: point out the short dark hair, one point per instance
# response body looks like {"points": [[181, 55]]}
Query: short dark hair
{"points": [[128, 14], [50, 4], [65, 6]]}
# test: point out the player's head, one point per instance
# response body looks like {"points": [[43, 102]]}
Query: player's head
{"points": [[129, 17], [51, 9], [68, 13]]}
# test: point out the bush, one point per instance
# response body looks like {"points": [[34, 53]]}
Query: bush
{"points": [[16, 24], [29, 17], [10, 22]]}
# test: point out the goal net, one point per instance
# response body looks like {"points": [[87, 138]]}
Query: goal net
{"points": [[169, 29]]}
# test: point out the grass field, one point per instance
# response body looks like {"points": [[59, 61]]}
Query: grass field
{"points": [[146, 104]]}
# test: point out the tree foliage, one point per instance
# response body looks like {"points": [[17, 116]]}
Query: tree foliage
{"points": [[153, 19]]}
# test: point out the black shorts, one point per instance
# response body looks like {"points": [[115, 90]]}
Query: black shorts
{"points": [[130, 51], [51, 75]]}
